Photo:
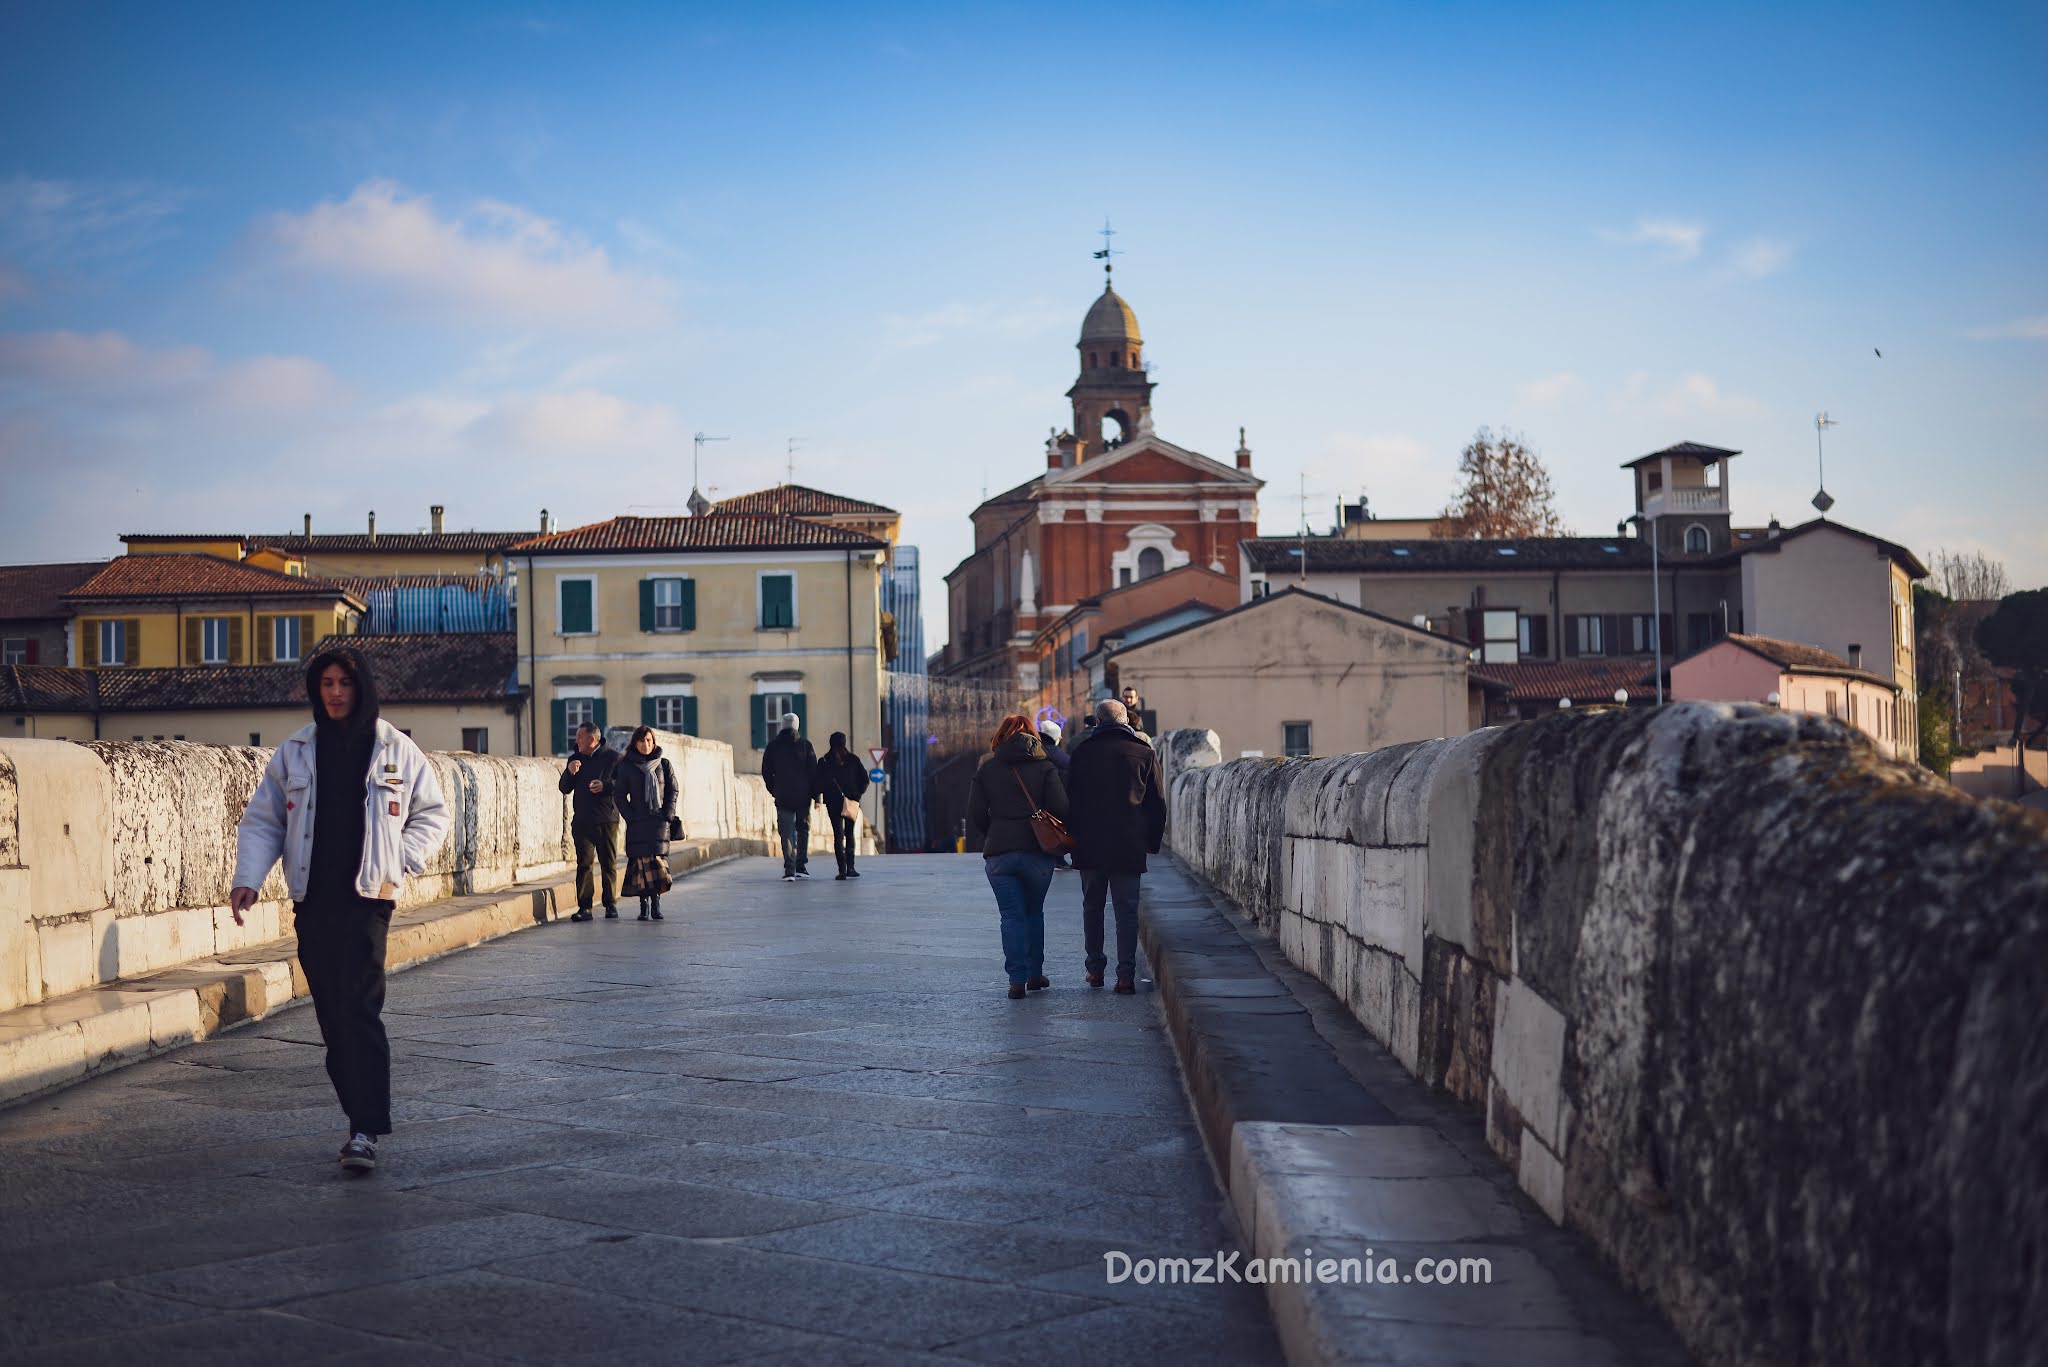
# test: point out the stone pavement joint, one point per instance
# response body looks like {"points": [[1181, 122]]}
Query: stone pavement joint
{"points": [[1326, 1144]]}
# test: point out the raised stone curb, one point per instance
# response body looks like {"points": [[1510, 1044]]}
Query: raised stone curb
{"points": [[1317, 1163], [55, 1043]]}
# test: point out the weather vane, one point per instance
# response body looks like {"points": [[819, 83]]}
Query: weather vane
{"points": [[1821, 423], [1107, 251]]}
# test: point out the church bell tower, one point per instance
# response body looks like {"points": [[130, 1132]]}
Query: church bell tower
{"points": [[1113, 398]]}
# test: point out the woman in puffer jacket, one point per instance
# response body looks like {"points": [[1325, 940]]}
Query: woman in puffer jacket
{"points": [[645, 786], [1014, 780]]}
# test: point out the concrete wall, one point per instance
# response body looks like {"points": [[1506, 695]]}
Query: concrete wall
{"points": [[116, 857], [1751, 1007]]}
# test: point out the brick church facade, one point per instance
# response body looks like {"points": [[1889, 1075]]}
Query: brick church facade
{"points": [[1115, 505]]}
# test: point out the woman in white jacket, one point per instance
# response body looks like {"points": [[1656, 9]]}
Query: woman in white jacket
{"points": [[352, 808]]}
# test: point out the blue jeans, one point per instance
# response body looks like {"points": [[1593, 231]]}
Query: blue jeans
{"points": [[1021, 879], [1098, 885], [793, 827]]}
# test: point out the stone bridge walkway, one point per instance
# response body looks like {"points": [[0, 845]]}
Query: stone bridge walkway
{"points": [[793, 1123]]}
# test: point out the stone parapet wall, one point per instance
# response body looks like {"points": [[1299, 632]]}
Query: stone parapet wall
{"points": [[116, 857], [1754, 1009]]}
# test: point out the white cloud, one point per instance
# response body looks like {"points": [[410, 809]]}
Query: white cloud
{"points": [[1698, 395], [2019, 329], [108, 370], [62, 223], [499, 264], [1761, 256], [1680, 237], [1551, 388], [578, 422], [956, 320]]}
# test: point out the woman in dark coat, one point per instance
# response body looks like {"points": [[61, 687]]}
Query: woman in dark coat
{"points": [[645, 786], [842, 778], [1014, 780]]}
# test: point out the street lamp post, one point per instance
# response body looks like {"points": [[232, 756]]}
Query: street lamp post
{"points": [[1648, 523]]}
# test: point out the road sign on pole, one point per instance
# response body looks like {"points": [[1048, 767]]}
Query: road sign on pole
{"points": [[875, 753], [878, 774]]}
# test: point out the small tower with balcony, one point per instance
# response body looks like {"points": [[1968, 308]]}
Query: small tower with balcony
{"points": [[1683, 491]]}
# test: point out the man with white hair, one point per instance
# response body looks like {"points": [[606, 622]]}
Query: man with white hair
{"points": [[1117, 811], [789, 766]]}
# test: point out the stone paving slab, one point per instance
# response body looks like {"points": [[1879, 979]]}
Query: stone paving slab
{"points": [[616, 1143], [1331, 1149]]}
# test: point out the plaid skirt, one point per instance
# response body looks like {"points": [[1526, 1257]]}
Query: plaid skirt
{"points": [[646, 876]]}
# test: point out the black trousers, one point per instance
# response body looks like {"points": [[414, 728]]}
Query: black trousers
{"points": [[341, 952], [845, 840], [597, 860]]}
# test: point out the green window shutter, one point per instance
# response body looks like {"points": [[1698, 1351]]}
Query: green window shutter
{"points": [[690, 716], [558, 710], [778, 608], [647, 605], [576, 613], [597, 715], [689, 606], [803, 718], [760, 713], [646, 704]]}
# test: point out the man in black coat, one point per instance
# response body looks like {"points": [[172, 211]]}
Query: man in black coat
{"points": [[789, 766], [594, 821], [1117, 805]]}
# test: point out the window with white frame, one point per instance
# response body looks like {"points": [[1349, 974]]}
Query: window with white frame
{"points": [[213, 640], [578, 712], [284, 638], [1503, 638], [669, 711], [14, 651], [113, 643], [777, 706], [668, 604]]}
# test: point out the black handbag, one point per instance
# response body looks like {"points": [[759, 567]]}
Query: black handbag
{"points": [[675, 828]]}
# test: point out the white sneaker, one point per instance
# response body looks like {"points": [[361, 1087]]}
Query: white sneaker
{"points": [[789, 878], [359, 1154], [803, 873]]}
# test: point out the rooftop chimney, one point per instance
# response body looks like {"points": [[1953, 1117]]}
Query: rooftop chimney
{"points": [[1775, 527], [373, 526], [437, 510], [547, 524], [309, 524], [1244, 453], [1855, 656]]}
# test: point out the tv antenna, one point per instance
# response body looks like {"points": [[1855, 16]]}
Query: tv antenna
{"points": [[1301, 531], [1821, 423], [793, 447], [1107, 251], [699, 505]]}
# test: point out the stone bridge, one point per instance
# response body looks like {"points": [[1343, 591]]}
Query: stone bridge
{"points": [[1694, 1020]]}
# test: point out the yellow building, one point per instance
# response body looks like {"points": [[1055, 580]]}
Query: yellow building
{"points": [[341, 555], [181, 609], [713, 626], [450, 692]]}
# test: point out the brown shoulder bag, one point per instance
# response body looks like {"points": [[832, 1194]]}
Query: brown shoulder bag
{"points": [[1053, 835]]}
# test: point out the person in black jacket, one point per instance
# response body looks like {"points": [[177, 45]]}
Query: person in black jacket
{"points": [[646, 786], [593, 821], [1014, 780], [789, 766], [1119, 805], [842, 778]]}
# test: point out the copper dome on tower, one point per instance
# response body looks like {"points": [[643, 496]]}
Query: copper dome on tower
{"points": [[1110, 320]]}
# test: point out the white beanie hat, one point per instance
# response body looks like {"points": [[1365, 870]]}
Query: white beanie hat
{"points": [[1050, 730]]}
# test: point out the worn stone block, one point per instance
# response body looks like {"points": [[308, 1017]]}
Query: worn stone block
{"points": [[1528, 1056], [33, 1060], [69, 956], [116, 1033], [1542, 1176]]}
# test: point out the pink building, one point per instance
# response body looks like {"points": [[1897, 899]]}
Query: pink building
{"points": [[1798, 678]]}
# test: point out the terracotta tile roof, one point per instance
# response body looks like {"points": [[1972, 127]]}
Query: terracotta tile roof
{"points": [[298, 544], [408, 669], [1797, 656], [800, 501], [712, 532], [1276, 554], [197, 576], [28, 592], [1583, 680]]}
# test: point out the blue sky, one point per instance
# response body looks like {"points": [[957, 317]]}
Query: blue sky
{"points": [[255, 264]]}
